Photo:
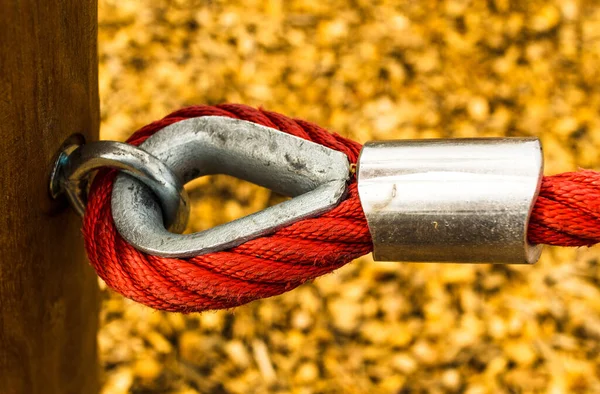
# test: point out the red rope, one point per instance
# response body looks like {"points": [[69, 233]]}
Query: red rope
{"points": [[567, 213]]}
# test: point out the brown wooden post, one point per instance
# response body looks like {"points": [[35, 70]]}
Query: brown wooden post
{"points": [[48, 292]]}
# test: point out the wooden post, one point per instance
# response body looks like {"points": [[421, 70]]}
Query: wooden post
{"points": [[48, 292]]}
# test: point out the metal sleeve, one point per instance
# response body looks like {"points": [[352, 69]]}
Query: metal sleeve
{"points": [[451, 200]]}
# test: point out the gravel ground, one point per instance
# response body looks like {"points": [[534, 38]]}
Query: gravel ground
{"points": [[368, 70]]}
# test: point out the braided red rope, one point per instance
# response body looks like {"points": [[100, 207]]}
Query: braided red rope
{"points": [[567, 213]]}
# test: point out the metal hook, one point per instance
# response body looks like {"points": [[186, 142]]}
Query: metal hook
{"points": [[314, 175], [75, 163]]}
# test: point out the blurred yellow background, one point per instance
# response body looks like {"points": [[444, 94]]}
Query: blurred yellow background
{"points": [[368, 70]]}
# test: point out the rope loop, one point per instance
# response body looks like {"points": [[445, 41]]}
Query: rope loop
{"points": [[567, 213]]}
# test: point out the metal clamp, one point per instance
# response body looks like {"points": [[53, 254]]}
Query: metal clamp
{"points": [[459, 200], [76, 162]]}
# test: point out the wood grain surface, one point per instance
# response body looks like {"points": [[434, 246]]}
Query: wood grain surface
{"points": [[48, 292]]}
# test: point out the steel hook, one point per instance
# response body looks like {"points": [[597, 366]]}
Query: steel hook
{"points": [[75, 163]]}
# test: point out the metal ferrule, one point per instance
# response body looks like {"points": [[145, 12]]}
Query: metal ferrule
{"points": [[451, 200]]}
